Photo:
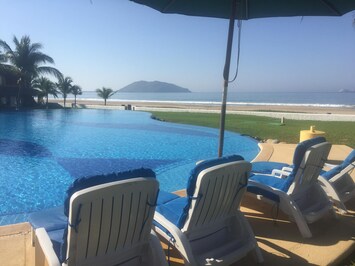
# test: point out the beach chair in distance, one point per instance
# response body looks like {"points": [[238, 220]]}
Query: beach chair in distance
{"points": [[107, 221], [298, 193], [338, 183], [207, 227]]}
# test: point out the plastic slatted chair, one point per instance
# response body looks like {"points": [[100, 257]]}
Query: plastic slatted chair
{"points": [[298, 194], [338, 183], [107, 221], [266, 167], [207, 227]]}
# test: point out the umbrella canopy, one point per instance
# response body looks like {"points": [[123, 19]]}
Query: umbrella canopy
{"points": [[244, 10], [248, 9]]}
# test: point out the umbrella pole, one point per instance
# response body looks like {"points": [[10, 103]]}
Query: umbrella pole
{"points": [[226, 78]]}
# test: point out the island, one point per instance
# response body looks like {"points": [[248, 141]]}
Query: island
{"points": [[347, 91], [153, 86]]}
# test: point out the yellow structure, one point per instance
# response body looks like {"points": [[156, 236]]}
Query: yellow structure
{"points": [[311, 133]]}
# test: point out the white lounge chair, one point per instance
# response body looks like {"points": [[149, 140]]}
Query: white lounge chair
{"points": [[338, 183], [298, 192], [107, 221], [207, 227], [267, 167]]}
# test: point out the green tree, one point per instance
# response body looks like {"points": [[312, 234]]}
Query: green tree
{"points": [[76, 90], [28, 61], [64, 86], [105, 93], [45, 87]]}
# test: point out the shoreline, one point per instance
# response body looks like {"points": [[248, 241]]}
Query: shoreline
{"points": [[315, 113]]}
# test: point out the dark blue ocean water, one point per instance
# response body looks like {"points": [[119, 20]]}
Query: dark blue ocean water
{"points": [[325, 99]]}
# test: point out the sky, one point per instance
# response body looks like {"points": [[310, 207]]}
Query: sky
{"points": [[113, 43]]}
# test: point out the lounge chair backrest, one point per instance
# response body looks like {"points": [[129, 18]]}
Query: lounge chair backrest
{"points": [[219, 186], [347, 165], [108, 220], [298, 158], [310, 167]]}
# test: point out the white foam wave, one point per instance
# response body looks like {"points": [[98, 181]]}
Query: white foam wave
{"points": [[218, 103]]}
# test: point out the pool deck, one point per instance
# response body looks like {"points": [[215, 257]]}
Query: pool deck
{"points": [[280, 241]]}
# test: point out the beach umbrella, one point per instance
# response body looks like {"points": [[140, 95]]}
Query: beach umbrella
{"points": [[244, 10]]}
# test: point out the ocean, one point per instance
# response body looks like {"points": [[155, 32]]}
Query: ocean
{"points": [[316, 99]]}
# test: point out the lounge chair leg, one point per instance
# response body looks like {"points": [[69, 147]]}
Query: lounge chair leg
{"points": [[341, 207], [332, 194], [299, 219], [257, 254]]}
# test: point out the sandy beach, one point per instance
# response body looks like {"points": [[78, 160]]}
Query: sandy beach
{"points": [[277, 111], [271, 108]]}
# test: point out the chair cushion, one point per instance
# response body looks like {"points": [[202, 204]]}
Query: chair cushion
{"points": [[267, 167], [164, 197], [51, 219], [336, 170], [86, 182], [172, 210], [271, 181], [350, 158], [56, 236]]}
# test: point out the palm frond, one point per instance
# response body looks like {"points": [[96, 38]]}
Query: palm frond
{"points": [[105, 93], [76, 90], [7, 49], [50, 70], [64, 85], [39, 57], [34, 47]]}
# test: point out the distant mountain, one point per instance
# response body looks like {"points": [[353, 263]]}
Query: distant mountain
{"points": [[345, 90], [152, 86]]}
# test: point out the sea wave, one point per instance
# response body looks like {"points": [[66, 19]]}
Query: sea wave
{"points": [[218, 103]]}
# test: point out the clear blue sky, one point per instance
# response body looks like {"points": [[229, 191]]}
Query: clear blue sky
{"points": [[113, 43]]}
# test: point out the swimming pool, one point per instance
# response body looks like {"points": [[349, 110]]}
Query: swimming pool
{"points": [[43, 151]]}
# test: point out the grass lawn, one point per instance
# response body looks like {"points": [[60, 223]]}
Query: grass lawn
{"points": [[266, 127]]}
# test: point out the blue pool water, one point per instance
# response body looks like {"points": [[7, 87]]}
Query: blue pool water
{"points": [[42, 152]]}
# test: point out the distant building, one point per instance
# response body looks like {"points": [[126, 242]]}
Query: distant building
{"points": [[9, 87]]}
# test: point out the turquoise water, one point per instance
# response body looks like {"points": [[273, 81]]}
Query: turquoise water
{"points": [[42, 152]]}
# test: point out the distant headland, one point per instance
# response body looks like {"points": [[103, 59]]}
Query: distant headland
{"points": [[152, 86], [347, 91]]}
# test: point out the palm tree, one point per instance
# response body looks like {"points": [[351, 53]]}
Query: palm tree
{"points": [[76, 90], [64, 85], [27, 60], [105, 93], [45, 87], [2, 57]]}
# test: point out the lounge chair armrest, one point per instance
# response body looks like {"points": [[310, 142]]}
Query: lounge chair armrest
{"points": [[265, 187], [329, 165], [45, 244], [287, 169], [280, 173], [180, 240]]}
